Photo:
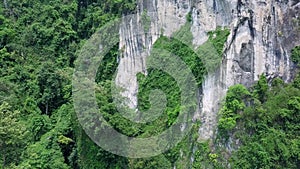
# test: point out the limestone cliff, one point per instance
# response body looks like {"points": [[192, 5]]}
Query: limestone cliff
{"points": [[136, 40], [261, 37]]}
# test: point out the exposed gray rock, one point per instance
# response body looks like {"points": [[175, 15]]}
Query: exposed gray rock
{"points": [[262, 35], [166, 17]]}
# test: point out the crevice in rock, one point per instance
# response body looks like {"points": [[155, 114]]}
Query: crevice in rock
{"points": [[246, 57], [250, 24], [235, 32]]}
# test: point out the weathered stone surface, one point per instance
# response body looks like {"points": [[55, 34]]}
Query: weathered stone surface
{"points": [[166, 17], [262, 35]]}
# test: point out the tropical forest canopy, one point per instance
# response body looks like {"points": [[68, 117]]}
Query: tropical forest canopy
{"points": [[39, 42]]}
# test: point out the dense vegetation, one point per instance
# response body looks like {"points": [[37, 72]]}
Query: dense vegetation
{"points": [[38, 44], [38, 126], [257, 127], [270, 137], [295, 54]]}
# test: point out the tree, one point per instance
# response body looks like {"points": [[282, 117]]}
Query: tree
{"points": [[295, 54], [51, 83], [261, 88], [230, 112], [12, 132], [45, 153], [6, 31]]}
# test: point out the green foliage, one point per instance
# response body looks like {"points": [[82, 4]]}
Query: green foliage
{"points": [[12, 134], [218, 38], [184, 35], [176, 47], [91, 156], [157, 79], [38, 126], [201, 155], [38, 43], [233, 105], [149, 163], [44, 154], [261, 88], [295, 54], [189, 17], [211, 51], [7, 32], [51, 84], [296, 82], [52, 146], [108, 65], [268, 125]]}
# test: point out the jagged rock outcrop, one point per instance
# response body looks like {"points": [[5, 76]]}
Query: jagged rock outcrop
{"points": [[262, 35]]}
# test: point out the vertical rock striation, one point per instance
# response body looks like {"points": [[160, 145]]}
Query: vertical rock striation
{"points": [[139, 32], [262, 35]]}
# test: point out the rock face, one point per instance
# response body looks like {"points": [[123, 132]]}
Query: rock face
{"points": [[262, 35], [137, 35]]}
